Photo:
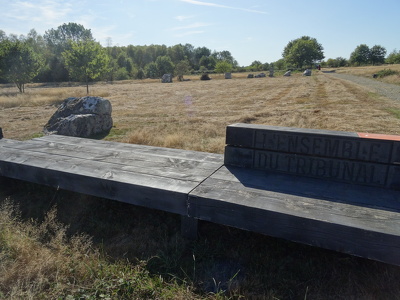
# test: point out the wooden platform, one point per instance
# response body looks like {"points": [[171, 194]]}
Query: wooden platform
{"points": [[361, 220], [153, 177]]}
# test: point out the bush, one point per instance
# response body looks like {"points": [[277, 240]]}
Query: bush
{"points": [[393, 57], [121, 74], [386, 72]]}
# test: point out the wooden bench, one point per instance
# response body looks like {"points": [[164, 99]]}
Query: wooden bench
{"points": [[153, 177], [335, 190]]}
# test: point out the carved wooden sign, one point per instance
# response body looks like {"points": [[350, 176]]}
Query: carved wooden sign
{"points": [[340, 156]]}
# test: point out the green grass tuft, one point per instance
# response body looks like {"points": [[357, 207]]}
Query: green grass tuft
{"points": [[395, 112]]}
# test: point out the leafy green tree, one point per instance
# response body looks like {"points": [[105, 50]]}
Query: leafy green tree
{"points": [[151, 70], [208, 62], [336, 62], [86, 60], [360, 55], [256, 66], [58, 40], [140, 74], [223, 67], [377, 55], [182, 68], [280, 64], [226, 56], [3, 35], [19, 63], [176, 53], [198, 54], [393, 57], [71, 32], [122, 74], [164, 65], [304, 51]]}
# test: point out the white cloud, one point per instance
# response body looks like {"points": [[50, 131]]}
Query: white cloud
{"points": [[191, 26], [183, 18], [222, 6], [47, 11], [188, 33]]}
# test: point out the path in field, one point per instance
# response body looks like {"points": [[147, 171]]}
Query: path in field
{"points": [[391, 91]]}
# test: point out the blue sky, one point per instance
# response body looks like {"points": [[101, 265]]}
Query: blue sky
{"points": [[250, 30]]}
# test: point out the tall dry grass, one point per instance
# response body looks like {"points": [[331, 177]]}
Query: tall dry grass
{"points": [[36, 95], [40, 261]]}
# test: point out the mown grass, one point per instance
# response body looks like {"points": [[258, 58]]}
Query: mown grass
{"points": [[386, 73]]}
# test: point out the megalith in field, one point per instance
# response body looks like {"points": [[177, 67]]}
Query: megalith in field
{"points": [[81, 117], [166, 78], [228, 75]]}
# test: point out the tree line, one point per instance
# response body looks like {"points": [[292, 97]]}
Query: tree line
{"points": [[69, 52]]}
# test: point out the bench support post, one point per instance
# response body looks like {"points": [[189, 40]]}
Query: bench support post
{"points": [[189, 227]]}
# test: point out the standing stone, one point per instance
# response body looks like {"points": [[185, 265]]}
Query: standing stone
{"points": [[307, 72], [81, 117], [288, 73], [228, 75], [166, 78], [271, 72]]}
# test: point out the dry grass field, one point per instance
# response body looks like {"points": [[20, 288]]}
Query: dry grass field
{"points": [[368, 71], [91, 248], [194, 114]]}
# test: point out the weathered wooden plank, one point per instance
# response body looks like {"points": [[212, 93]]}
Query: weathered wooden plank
{"points": [[355, 229], [311, 187], [313, 142], [239, 192], [122, 147], [199, 159], [133, 161], [98, 178], [8, 142], [343, 170], [136, 193]]}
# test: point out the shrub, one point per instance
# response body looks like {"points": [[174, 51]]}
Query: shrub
{"points": [[386, 72], [121, 74]]}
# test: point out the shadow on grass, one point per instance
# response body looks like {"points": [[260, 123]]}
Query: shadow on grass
{"points": [[222, 259]]}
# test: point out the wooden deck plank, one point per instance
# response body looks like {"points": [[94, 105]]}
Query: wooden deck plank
{"points": [[124, 147], [355, 229], [133, 161], [104, 179], [311, 187]]}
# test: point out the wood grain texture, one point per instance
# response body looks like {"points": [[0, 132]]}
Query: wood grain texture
{"points": [[157, 178], [312, 142], [238, 198]]}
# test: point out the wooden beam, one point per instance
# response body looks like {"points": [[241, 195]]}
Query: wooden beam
{"points": [[189, 227], [298, 209]]}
